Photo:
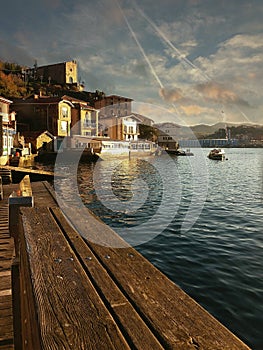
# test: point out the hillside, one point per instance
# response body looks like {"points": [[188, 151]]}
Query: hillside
{"points": [[239, 131], [11, 82]]}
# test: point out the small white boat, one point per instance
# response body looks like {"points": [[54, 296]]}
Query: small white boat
{"points": [[126, 149], [217, 154]]}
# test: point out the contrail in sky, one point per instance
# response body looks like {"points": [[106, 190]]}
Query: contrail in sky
{"points": [[180, 56], [143, 53], [140, 47]]}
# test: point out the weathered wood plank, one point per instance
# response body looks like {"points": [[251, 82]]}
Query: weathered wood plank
{"points": [[124, 313], [66, 301], [121, 279], [42, 195], [5, 282], [177, 320], [6, 346], [6, 255]]}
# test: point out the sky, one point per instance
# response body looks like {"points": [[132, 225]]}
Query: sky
{"points": [[185, 61]]}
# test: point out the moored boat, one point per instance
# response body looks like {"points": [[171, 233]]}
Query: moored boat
{"points": [[217, 154], [179, 152], [126, 149]]}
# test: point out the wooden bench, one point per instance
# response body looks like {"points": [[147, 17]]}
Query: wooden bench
{"points": [[75, 294], [21, 197]]}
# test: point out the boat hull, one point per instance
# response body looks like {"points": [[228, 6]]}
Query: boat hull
{"points": [[217, 154], [124, 149]]}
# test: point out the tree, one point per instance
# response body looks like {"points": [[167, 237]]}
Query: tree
{"points": [[147, 132], [11, 85]]}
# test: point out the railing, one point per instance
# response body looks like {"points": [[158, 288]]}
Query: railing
{"points": [[89, 125]]}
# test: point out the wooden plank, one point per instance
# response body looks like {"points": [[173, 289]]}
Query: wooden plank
{"points": [[137, 332], [66, 301], [6, 346], [6, 312], [6, 255], [5, 300], [177, 320], [16, 303], [42, 195], [8, 168]]}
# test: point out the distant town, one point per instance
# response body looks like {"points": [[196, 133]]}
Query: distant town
{"points": [[41, 105]]}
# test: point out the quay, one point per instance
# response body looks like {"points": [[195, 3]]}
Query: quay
{"points": [[62, 291], [17, 173]]}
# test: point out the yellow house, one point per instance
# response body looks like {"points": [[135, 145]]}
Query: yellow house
{"points": [[64, 118], [44, 113], [84, 118]]}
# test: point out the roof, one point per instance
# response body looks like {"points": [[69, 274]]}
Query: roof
{"points": [[41, 100], [5, 100], [110, 96], [76, 100], [35, 134], [56, 64]]}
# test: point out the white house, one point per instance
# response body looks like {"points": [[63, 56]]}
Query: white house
{"points": [[7, 127]]}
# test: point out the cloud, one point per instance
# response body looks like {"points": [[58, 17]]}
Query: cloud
{"points": [[244, 40], [171, 95], [15, 54], [193, 110], [52, 3], [215, 92]]}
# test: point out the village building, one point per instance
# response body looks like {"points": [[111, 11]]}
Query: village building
{"points": [[60, 116], [116, 119], [120, 128], [7, 127], [38, 141], [113, 105], [167, 136], [61, 73], [84, 118], [44, 113]]}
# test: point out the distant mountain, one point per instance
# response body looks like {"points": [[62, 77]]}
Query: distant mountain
{"points": [[216, 130]]}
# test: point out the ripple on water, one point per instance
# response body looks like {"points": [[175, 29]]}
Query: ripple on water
{"points": [[219, 260]]}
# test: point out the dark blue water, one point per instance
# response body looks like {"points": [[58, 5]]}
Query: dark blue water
{"points": [[198, 220]]}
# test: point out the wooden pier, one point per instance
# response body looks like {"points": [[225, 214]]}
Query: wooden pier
{"points": [[71, 293]]}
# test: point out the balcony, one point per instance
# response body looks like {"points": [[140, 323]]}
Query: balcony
{"points": [[89, 125]]}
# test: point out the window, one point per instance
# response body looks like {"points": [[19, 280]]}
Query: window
{"points": [[87, 121], [63, 126], [64, 112]]}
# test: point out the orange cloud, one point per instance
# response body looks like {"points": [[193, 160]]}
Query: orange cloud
{"points": [[170, 95], [218, 93], [192, 110]]}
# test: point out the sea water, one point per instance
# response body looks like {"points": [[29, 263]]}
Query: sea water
{"points": [[199, 221]]}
